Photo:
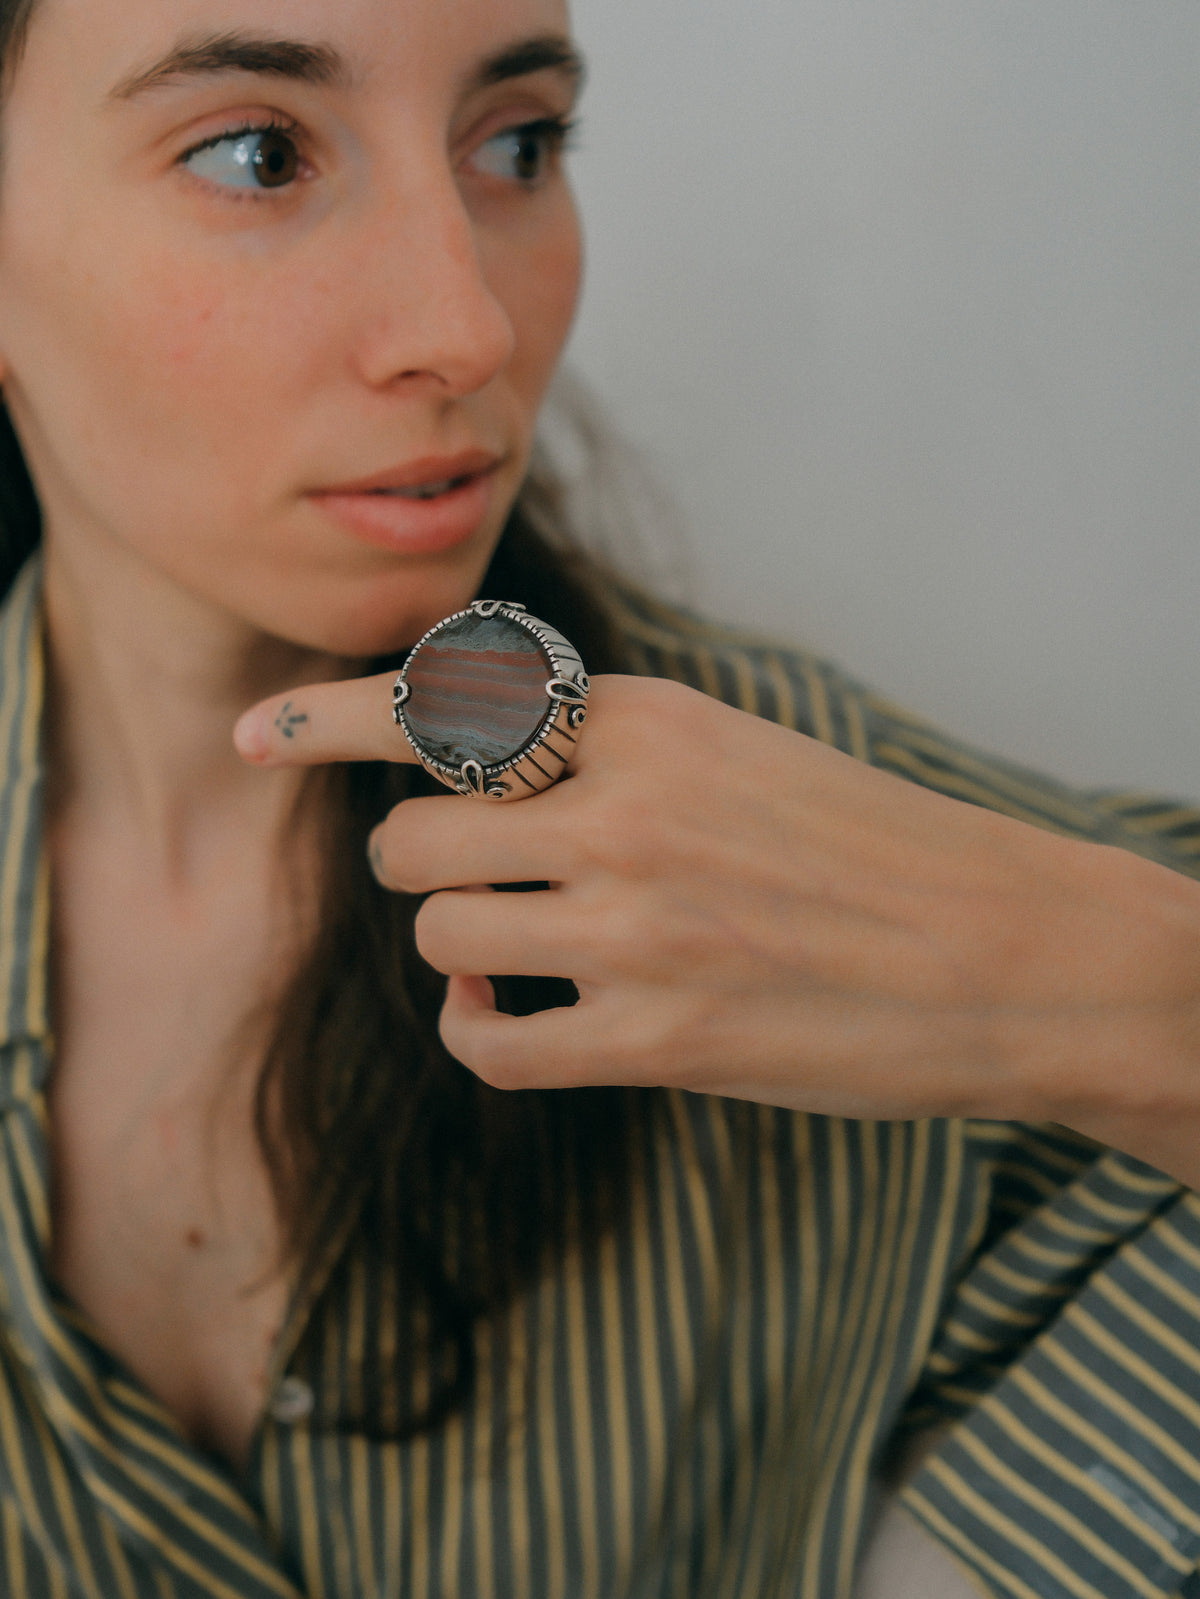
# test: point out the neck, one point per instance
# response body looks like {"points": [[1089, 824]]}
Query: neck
{"points": [[146, 681]]}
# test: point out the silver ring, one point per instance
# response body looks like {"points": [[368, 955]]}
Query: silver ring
{"points": [[492, 701]]}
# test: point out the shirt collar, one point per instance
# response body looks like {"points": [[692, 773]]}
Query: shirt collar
{"points": [[24, 877]]}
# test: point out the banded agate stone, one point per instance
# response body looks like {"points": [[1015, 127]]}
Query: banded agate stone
{"points": [[478, 690]]}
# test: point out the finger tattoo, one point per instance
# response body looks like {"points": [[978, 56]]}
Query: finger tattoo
{"points": [[289, 719]]}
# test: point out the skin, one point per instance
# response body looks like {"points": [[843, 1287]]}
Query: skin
{"points": [[832, 940], [836, 941], [184, 365]]}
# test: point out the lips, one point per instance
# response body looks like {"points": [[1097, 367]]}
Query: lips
{"points": [[424, 478], [421, 508]]}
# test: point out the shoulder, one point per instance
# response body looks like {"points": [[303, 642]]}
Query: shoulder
{"points": [[800, 690]]}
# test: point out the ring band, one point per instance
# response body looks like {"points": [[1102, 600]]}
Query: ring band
{"points": [[492, 700]]}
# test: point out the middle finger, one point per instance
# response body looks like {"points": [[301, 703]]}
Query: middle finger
{"points": [[432, 843]]}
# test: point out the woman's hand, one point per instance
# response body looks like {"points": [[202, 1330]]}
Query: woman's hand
{"points": [[747, 912]]}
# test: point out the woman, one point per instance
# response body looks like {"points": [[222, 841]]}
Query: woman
{"points": [[293, 1304]]}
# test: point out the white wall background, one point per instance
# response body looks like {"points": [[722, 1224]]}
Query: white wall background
{"points": [[902, 300]]}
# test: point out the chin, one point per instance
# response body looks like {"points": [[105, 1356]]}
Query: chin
{"points": [[379, 618]]}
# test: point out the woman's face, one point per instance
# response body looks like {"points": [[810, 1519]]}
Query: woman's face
{"points": [[254, 251]]}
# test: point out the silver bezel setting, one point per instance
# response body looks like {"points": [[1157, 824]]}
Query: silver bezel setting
{"points": [[542, 759]]}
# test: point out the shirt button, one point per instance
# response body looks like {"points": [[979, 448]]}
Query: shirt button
{"points": [[292, 1401]]}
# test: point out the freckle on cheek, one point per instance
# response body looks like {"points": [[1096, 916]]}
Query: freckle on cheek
{"points": [[194, 1238]]}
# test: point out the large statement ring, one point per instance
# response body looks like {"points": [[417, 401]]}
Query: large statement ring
{"points": [[492, 701]]}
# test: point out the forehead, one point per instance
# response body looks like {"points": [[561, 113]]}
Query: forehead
{"points": [[102, 43]]}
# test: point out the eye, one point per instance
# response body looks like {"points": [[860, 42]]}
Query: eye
{"points": [[249, 158], [524, 155]]}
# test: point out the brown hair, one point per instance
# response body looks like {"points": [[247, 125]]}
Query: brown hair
{"points": [[368, 1127]]}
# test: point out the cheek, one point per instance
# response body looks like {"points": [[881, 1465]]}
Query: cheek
{"points": [[539, 285], [159, 367]]}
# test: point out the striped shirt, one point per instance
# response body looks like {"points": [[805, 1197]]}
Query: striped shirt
{"points": [[701, 1406]]}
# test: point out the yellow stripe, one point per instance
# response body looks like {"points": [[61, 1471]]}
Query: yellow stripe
{"points": [[1058, 1259], [1148, 1325], [419, 1471], [841, 1383], [173, 1552], [545, 1418], [998, 1309], [450, 1558], [620, 1461], [1054, 1459], [1151, 1183], [37, 1008], [1055, 1513], [117, 1562], [359, 1452], [746, 684], [17, 675], [1122, 1215], [1057, 1223], [387, 1462], [14, 1548], [1130, 1415], [856, 724], [966, 764], [682, 1346], [309, 1512], [14, 1454], [933, 1282], [649, 1340], [1181, 1403], [516, 1452], [166, 1588], [1169, 1233], [717, 1114], [1161, 821], [685, 1193], [270, 1483], [818, 701], [1102, 1444], [959, 787], [956, 1540], [360, 1495], [584, 1457], [74, 1420], [885, 1330], [482, 1416], [785, 697], [31, 1181], [1010, 1530], [741, 1325], [1028, 1286]]}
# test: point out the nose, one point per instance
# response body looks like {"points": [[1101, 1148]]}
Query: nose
{"points": [[431, 319]]}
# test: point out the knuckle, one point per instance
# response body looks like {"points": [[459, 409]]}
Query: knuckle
{"points": [[485, 1052], [395, 854], [433, 932], [626, 835]]}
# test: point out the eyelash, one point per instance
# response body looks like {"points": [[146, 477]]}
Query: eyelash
{"points": [[282, 126], [559, 130], [289, 130]]}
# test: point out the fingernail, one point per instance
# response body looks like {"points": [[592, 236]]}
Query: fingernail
{"points": [[375, 856], [249, 736]]}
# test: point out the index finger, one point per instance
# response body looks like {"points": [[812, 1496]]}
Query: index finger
{"points": [[325, 722]]}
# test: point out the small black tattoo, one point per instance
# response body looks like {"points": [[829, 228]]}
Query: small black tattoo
{"points": [[288, 720]]}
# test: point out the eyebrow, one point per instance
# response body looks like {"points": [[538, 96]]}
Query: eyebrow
{"points": [[322, 65]]}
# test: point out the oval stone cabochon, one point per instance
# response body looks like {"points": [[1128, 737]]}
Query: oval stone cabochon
{"points": [[478, 690]]}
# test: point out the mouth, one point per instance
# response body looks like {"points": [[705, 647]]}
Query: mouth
{"points": [[427, 491], [422, 508], [426, 479]]}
